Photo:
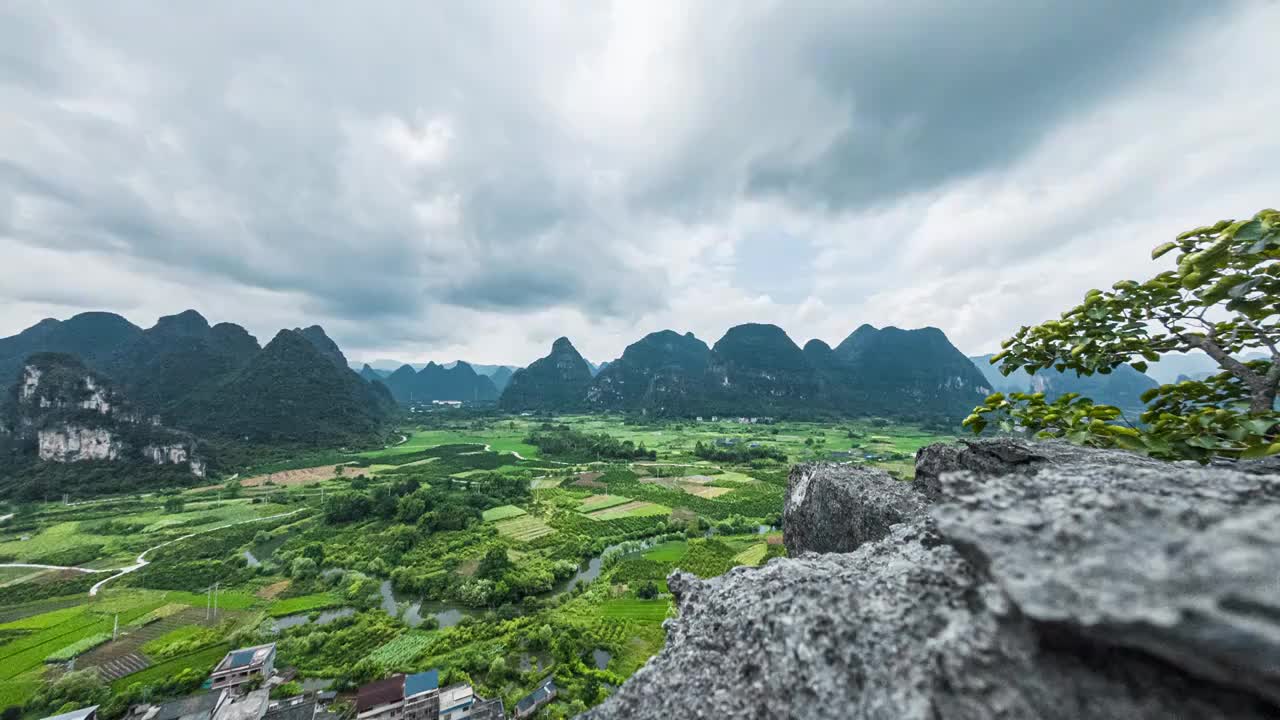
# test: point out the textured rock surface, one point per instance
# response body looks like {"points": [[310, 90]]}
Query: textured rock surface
{"points": [[836, 508], [1060, 583], [1001, 456], [1182, 563], [75, 443]]}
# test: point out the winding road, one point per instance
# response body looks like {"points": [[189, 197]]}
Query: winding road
{"points": [[142, 560]]}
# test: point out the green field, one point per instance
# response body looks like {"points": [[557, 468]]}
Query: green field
{"points": [[524, 528], [601, 502], [631, 510], [304, 603], [443, 526], [502, 512], [634, 609], [668, 552]]}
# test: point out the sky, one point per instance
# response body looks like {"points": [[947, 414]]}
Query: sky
{"points": [[442, 180]]}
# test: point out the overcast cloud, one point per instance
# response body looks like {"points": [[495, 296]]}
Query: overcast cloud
{"points": [[445, 180]]}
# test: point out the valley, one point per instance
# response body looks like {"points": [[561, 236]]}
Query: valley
{"points": [[497, 548]]}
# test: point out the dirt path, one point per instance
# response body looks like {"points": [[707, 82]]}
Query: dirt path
{"points": [[142, 560]]}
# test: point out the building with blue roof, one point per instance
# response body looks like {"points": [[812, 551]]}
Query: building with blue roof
{"points": [[240, 666]]}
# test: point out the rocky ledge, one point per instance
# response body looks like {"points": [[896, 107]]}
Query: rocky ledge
{"points": [[1032, 580]]}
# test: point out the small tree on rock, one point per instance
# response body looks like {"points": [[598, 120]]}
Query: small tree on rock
{"points": [[1223, 298]]}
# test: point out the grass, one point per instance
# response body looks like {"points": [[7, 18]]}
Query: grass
{"points": [[227, 599], [631, 509], [546, 483], [635, 609], [752, 555], [524, 528], [201, 660], [77, 648], [601, 502], [303, 603], [667, 552], [502, 512], [29, 651]]}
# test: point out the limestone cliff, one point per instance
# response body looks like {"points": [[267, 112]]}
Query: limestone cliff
{"points": [[69, 413]]}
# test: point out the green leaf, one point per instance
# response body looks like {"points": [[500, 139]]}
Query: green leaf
{"points": [[1138, 365], [1249, 232], [1162, 249]]}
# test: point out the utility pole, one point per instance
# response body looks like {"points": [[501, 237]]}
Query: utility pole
{"points": [[115, 629], [208, 597], [215, 601]]}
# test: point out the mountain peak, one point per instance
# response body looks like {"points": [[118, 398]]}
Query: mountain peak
{"points": [[327, 347], [185, 323], [562, 345]]}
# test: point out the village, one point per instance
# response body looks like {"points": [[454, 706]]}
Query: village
{"points": [[241, 685]]}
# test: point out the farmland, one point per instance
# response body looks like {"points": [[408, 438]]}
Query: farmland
{"points": [[459, 546]]}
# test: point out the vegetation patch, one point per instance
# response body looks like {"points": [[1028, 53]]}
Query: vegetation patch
{"points": [[524, 528], [753, 555], [304, 603], [633, 509], [402, 652], [77, 648], [706, 491], [667, 552], [601, 502], [502, 512], [635, 609]]}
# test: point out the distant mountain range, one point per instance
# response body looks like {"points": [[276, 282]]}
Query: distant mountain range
{"points": [[1123, 387], [436, 382], [216, 381], [757, 370], [435, 386]]}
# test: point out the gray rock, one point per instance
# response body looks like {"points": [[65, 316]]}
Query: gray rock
{"points": [[1001, 456], [837, 507], [1181, 562], [1049, 582], [902, 629]]}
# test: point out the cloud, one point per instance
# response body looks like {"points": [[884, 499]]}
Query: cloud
{"points": [[475, 179]]}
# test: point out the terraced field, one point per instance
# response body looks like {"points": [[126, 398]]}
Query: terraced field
{"points": [[524, 528], [638, 508], [752, 555]]}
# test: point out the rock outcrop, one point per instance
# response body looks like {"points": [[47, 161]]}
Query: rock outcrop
{"points": [[1047, 581], [72, 414], [836, 508]]}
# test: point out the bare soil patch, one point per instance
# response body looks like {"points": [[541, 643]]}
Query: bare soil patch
{"points": [[705, 491], [270, 592], [590, 480]]}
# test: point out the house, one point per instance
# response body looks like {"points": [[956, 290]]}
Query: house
{"points": [[488, 710], [543, 694], [250, 706], [456, 702], [420, 697], [302, 707], [241, 666], [86, 713], [193, 707], [381, 699]]}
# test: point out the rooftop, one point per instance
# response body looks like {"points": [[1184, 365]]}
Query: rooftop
{"points": [[250, 707], [455, 696], [80, 714], [246, 656], [540, 695], [380, 692], [422, 682], [201, 705]]}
